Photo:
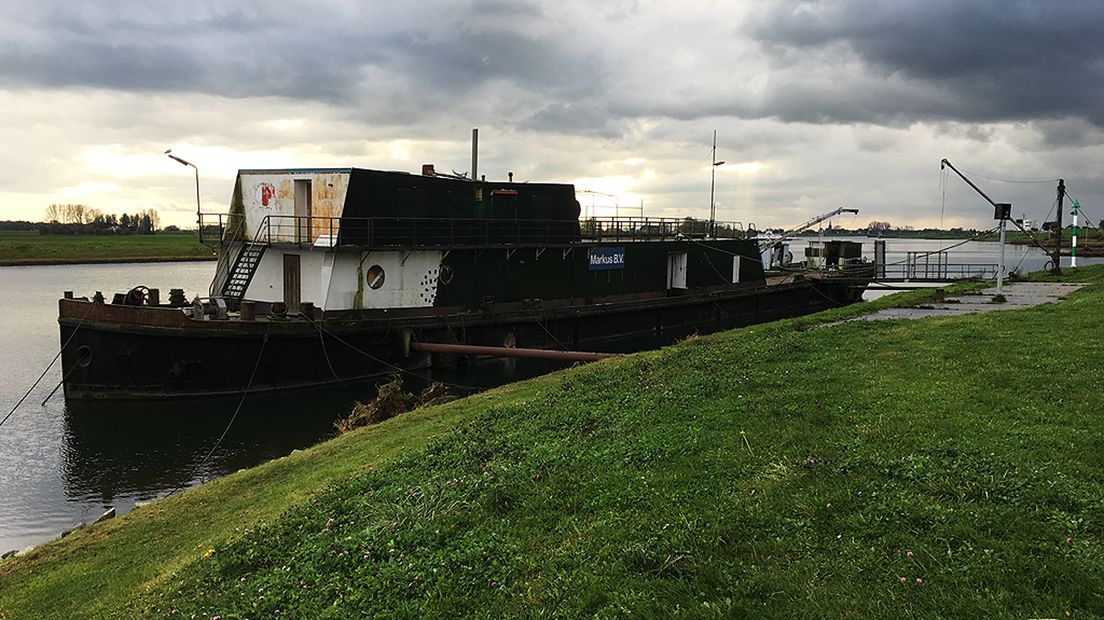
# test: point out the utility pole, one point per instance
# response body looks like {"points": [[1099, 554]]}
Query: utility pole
{"points": [[1057, 258], [1073, 248], [199, 217]]}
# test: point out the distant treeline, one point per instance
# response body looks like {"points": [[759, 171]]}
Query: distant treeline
{"points": [[884, 229], [20, 225], [78, 219], [905, 232]]}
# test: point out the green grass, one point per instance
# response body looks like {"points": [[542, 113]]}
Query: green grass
{"points": [[782, 470], [19, 248]]}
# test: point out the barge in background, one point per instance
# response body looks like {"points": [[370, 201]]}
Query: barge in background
{"points": [[329, 275]]}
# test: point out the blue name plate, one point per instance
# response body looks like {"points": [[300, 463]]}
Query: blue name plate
{"points": [[600, 259]]}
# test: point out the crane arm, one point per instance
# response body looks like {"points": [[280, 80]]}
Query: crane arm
{"points": [[813, 222], [818, 219], [946, 164]]}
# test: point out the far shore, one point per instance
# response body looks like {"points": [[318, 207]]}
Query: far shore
{"points": [[30, 248], [31, 262]]}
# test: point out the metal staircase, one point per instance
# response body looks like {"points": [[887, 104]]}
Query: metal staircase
{"points": [[241, 274]]}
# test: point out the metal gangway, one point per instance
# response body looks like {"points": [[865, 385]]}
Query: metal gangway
{"points": [[933, 266]]}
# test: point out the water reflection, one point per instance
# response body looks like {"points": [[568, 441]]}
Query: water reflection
{"points": [[141, 450], [116, 453]]}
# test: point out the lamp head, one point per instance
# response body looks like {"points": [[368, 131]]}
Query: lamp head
{"points": [[175, 158]]}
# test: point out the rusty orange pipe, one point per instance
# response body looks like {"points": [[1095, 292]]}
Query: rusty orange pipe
{"points": [[545, 354]]}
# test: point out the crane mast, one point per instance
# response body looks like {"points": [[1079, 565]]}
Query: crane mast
{"points": [[1001, 212]]}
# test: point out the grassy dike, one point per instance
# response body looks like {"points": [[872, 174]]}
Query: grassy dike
{"points": [[946, 467], [22, 248]]}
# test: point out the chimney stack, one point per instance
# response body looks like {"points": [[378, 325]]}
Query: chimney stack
{"points": [[475, 153]]}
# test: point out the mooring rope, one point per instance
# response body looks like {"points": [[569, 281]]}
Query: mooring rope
{"points": [[540, 322], [325, 353], [245, 392], [50, 365], [60, 383], [943, 194], [382, 362]]}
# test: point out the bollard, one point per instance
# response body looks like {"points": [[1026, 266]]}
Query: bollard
{"points": [[248, 310], [177, 298]]}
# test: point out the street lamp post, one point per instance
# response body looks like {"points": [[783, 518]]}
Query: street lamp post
{"points": [[199, 223], [712, 184]]}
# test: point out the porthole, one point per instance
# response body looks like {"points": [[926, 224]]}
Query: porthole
{"points": [[446, 275], [375, 277], [84, 356]]}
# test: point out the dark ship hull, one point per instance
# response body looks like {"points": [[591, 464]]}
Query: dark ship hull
{"points": [[122, 352]]}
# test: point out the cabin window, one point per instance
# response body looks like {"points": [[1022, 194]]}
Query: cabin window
{"points": [[375, 277]]}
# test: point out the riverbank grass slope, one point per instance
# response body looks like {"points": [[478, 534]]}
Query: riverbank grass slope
{"points": [[942, 467], [30, 248]]}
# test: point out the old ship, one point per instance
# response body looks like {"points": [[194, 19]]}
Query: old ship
{"points": [[338, 274]]}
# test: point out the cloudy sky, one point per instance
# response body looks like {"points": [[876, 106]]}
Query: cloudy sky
{"points": [[816, 104]]}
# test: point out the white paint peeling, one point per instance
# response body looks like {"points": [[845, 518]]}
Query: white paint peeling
{"points": [[331, 279], [272, 194]]}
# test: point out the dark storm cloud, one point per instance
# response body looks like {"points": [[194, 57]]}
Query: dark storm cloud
{"points": [[506, 9], [232, 54], [975, 61], [467, 59], [288, 51], [1069, 132], [576, 117]]}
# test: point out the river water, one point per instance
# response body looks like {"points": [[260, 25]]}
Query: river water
{"points": [[65, 463]]}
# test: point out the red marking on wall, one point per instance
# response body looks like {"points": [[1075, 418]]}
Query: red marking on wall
{"points": [[268, 192]]}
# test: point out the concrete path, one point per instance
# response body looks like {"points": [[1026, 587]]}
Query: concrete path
{"points": [[1018, 295]]}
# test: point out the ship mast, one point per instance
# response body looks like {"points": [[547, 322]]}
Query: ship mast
{"points": [[712, 184]]}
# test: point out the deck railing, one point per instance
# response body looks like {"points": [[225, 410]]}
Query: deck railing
{"points": [[402, 232], [650, 228]]}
